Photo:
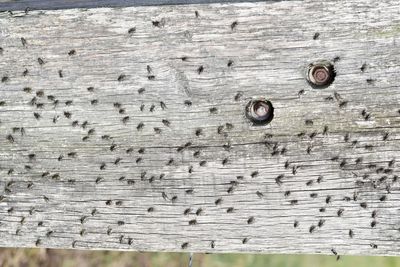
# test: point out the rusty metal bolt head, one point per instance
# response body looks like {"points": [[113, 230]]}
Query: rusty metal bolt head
{"points": [[260, 111], [320, 74]]}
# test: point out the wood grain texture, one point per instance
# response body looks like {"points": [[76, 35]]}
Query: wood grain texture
{"points": [[125, 128], [64, 4]]}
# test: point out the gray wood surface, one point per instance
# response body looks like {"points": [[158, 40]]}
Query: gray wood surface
{"points": [[125, 128], [62, 4]]}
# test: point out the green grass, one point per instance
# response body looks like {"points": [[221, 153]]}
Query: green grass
{"points": [[73, 258], [249, 260]]}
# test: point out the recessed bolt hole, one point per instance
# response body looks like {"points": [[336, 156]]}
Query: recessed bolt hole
{"points": [[321, 74], [260, 111]]}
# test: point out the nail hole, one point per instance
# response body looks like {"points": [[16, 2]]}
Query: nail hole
{"points": [[320, 74], [260, 111]]}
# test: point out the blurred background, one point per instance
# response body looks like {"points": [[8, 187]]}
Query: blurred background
{"points": [[74, 258]]}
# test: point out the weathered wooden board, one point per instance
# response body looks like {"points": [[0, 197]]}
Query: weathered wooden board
{"points": [[62, 4], [125, 128]]}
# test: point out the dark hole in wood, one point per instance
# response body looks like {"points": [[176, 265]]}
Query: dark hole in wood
{"points": [[320, 74], [260, 111]]}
